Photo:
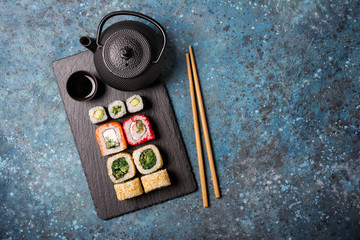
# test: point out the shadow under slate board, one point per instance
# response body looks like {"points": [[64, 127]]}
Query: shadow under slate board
{"points": [[168, 139]]}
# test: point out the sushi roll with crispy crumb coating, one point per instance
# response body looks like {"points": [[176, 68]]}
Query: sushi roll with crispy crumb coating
{"points": [[155, 180], [129, 189]]}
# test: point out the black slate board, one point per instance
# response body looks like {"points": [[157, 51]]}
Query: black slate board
{"points": [[168, 139]]}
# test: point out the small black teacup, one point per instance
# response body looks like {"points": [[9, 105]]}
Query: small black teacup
{"points": [[81, 86]]}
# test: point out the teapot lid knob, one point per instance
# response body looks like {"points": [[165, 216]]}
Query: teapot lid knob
{"points": [[126, 53]]}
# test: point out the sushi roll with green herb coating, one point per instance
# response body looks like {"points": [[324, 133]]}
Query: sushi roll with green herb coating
{"points": [[155, 180], [129, 189], [120, 167], [117, 109], [134, 103], [98, 115], [147, 159]]}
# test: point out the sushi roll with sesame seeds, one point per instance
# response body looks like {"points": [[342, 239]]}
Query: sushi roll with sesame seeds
{"points": [[155, 180], [129, 189]]}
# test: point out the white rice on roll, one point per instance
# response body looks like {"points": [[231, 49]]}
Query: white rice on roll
{"points": [[97, 115], [116, 109], [134, 103]]}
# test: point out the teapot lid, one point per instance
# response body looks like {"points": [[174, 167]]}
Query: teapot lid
{"points": [[126, 53]]}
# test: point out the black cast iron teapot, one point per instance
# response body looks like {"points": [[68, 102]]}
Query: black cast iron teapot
{"points": [[128, 55]]}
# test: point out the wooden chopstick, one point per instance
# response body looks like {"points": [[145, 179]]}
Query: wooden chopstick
{"points": [[204, 125], [197, 135]]}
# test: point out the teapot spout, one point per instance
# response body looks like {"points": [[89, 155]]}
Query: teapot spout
{"points": [[89, 43]]}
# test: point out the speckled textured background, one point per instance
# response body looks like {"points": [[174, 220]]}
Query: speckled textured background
{"points": [[281, 84]]}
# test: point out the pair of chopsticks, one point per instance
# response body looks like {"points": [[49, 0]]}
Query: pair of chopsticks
{"points": [[191, 66]]}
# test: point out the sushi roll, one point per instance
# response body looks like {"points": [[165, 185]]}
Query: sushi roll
{"points": [[134, 103], [120, 167], [155, 180], [138, 130], [116, 109], [129, 189], [110, 138], [147, 159], [97, 115]]}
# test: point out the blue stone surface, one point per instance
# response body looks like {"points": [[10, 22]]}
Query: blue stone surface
{"points": [[280, 82]]}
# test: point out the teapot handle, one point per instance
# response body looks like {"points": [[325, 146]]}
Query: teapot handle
{"points": [[136, 14]]}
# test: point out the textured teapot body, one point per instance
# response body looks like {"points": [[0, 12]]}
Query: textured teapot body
{"points": [[122, 62]]}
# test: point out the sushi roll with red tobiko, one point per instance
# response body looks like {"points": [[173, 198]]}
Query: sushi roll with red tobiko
{"points": [[138, 130]]}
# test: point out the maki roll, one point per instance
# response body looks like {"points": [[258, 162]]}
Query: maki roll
{"points": [[138, 130], [120, 167], [117, 109], [97, 115], [134, 103], [155, 180], [129, 189], [147, 159], [110, 138]]}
